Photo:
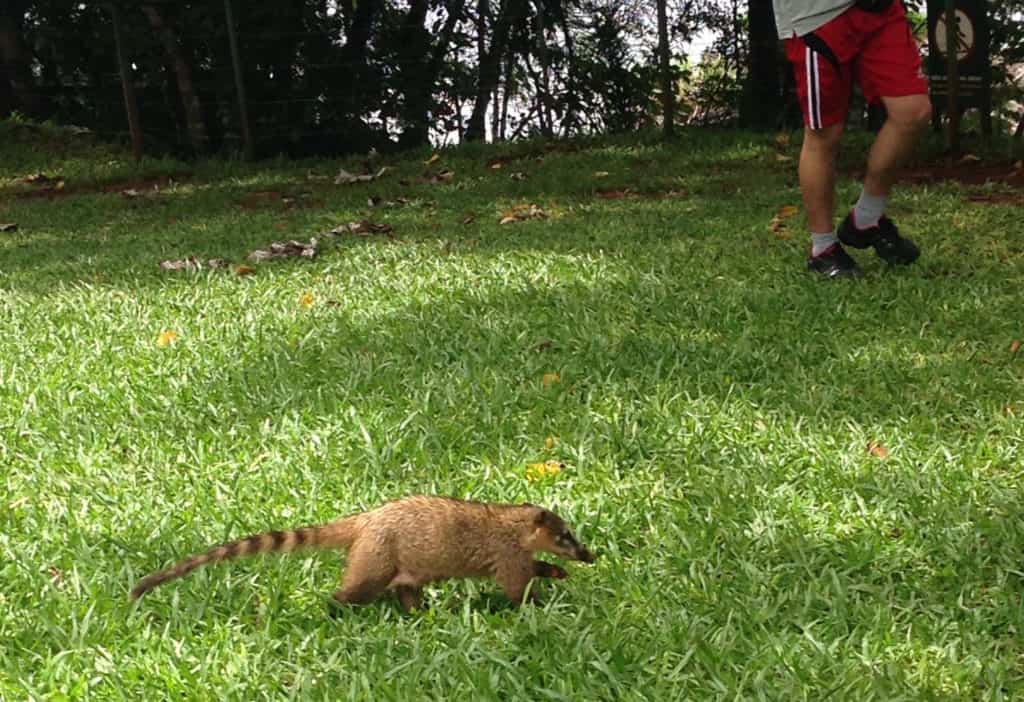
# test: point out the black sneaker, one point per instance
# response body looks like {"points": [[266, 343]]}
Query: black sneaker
{"points": [[834, 263], [885, 237]]}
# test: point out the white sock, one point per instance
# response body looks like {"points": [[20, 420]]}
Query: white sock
{"points": [[820, 243], [869, 210]]}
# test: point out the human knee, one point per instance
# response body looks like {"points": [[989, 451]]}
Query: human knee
{"points": [[912, 114], [823, 140]]}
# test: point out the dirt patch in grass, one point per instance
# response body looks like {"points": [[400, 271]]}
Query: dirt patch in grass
{"points": [[964, 172], [53, 187]]}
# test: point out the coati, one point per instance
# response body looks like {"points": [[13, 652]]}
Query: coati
{"points": [[405, 544]]}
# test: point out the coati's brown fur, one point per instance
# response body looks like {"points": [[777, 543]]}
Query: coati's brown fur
{"points": [[405, 544]]}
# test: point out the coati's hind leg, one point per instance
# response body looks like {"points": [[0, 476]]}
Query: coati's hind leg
{"points": [[367, 575], [410, 597]]}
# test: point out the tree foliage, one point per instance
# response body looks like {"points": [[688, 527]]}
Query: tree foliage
{"points": [[336, 76]]}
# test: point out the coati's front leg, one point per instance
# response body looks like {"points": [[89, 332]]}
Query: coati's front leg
{"points": [[514, 578], [548, 570], [410, 597]]}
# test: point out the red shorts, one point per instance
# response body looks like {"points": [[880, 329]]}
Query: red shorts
{"points": [[877, 50]]}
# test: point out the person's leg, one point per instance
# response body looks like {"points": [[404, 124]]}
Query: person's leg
{"points": [[908, 116], [823, 86], [889, 71]]}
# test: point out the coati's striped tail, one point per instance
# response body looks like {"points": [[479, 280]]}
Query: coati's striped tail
{"points": [[339, 534]]}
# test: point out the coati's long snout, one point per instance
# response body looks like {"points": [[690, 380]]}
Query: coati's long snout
{"points": [[554, 536]]}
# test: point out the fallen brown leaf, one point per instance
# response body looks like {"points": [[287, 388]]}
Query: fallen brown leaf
{"points": [[286, 249], [521, 213], [244, 270], [1015, 347], [788, 211], [550, 379], [468, 219], [362, 228], [783, 158], [518, 175], [192, 263], [130, 193], [601, 174], [345, 178], [442, 176], [615, 194], [432, 160], [878, 450], [8, 227]]}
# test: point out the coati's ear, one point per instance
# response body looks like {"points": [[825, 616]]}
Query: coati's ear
{"points": [[544, 518]]}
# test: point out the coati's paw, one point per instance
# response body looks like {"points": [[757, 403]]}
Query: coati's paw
{"points": [[549, 570]]}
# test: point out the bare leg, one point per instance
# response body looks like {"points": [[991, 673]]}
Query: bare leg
{"points": [[818, 175], [908, 116]]}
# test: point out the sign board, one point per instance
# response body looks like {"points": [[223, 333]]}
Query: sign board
{"points": [[971, 40]]}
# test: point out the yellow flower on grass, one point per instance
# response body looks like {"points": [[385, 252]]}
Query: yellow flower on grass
{"points": [[539, 471], [166, 338], [307, 300]]}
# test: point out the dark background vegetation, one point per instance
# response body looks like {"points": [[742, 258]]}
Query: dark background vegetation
{"points": [[340, 76]]}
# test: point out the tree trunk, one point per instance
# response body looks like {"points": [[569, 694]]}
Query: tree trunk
{"points": [[490, 66], [544, 92], [198, 135], [762, 95], [419, 67], [668, 80], [16, 81], [570, 104]]}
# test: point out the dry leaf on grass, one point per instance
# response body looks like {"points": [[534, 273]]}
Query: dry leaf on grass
{"points": [[8, 227], [130, 193], [877, 450], [286, 249], [362, 228], [376, 201], [521, 213], [243, 270], [307, 300], [782, 140], [442, 176], [345, 178], [518, 175], [539, 471], [1015, 347], [166, 338], [550, 379], [970, 158], [549, 443], [468, 219], [432, 160], [193, 263], [615, 194], [601, 174], [783, 158], [777, 224]]}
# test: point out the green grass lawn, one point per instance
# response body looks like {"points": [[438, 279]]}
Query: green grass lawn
{"points": [[714, 408]]}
